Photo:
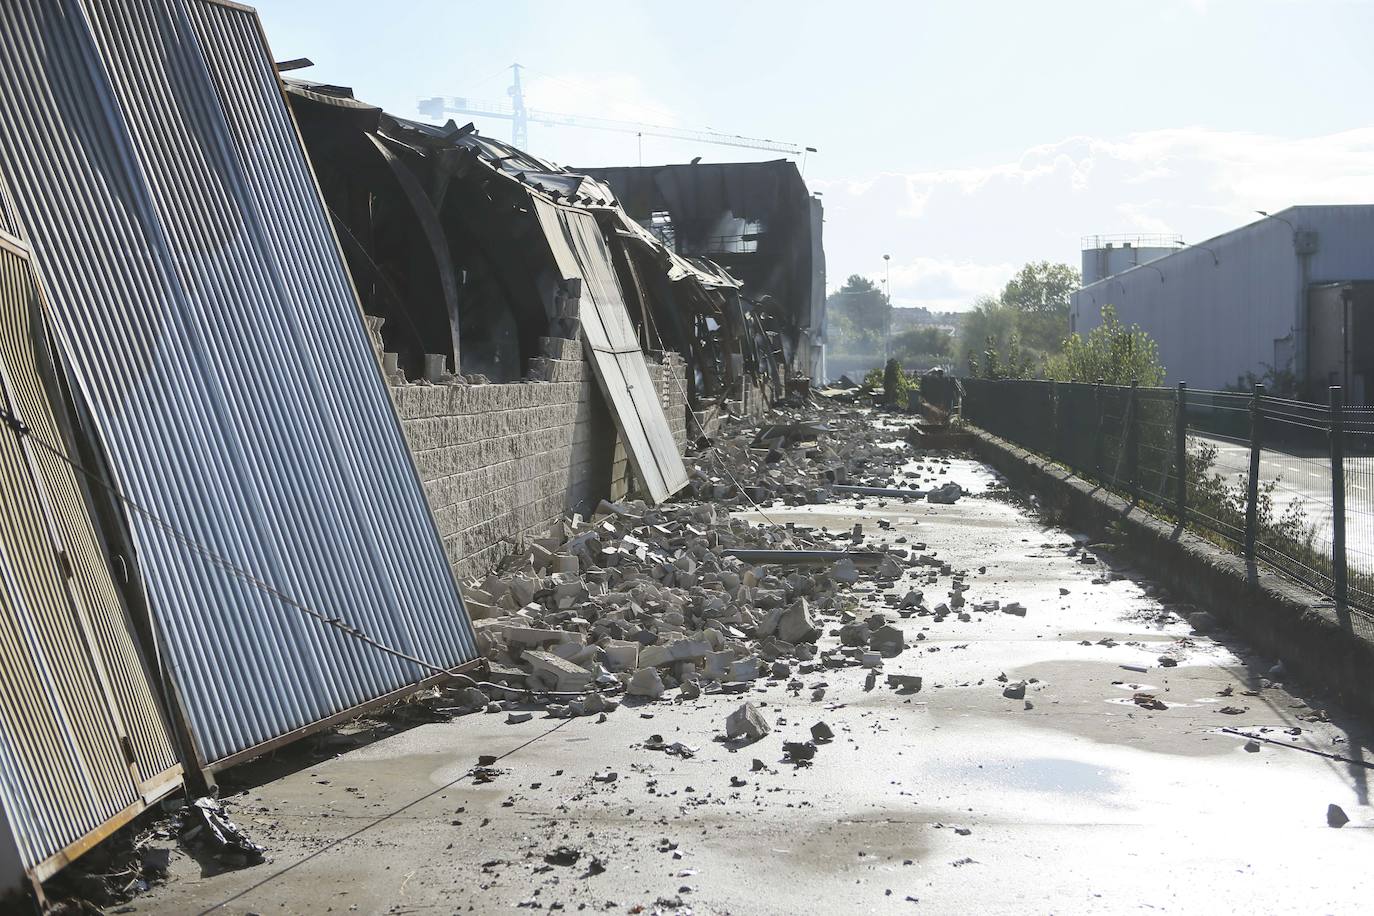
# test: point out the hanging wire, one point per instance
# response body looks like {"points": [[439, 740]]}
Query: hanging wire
{"points": [[22, 431]]}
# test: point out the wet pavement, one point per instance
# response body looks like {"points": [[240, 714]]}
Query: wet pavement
{"points": [[954, 799]]}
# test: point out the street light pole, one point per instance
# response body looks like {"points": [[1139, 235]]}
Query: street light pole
{"points": [[887, 286]]}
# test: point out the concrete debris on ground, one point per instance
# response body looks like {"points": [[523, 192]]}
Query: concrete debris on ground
{"points": [[646, 601], [642, 608], [747, 723]]}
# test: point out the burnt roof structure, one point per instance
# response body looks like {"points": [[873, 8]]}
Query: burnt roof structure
{"points": [[441, 230], [755, 219]]}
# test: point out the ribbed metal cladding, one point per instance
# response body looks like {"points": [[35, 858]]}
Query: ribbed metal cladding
{"points": [[30, 380], [203, 305], [62, 770], [580, 251]]}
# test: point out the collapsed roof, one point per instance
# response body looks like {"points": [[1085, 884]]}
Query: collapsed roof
{"points": [[435, 221]]}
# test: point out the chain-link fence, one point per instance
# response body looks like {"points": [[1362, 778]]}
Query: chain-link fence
{"points": [[1287, 482]]}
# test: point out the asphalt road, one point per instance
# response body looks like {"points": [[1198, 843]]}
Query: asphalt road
{"points": [[1306, 480], [956, 799]]}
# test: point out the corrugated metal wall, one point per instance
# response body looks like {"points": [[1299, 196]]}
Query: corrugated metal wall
{"points": [[206, 314], [73, 686]]}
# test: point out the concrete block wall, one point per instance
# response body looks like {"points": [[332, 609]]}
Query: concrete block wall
{"points": [[502, 463]]}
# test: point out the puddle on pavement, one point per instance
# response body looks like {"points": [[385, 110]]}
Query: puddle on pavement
{"points": [[1043, 774]]}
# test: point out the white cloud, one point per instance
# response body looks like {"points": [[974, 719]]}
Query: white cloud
{"points": [[956, 233]]}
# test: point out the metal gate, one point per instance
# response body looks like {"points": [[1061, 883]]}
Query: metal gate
{"points": [[84, 744]]}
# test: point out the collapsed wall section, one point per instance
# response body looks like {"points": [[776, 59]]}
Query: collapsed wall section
{"points": [[501, 464]]}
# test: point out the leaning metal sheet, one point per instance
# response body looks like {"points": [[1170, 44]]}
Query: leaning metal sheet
{"points": [[204, 309], [83, 743], [580, 251]]}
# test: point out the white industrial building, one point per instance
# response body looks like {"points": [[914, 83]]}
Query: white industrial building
{"points": [[1290, 292]]}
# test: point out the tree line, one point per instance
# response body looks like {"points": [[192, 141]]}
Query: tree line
{"points": [[1023, 332]]}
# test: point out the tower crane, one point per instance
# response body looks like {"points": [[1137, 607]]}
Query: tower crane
{"points": [[521, 116]]}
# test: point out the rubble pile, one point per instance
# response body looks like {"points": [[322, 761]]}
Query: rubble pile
{"points": [[651, 602], [644, 600], [793, 461]]}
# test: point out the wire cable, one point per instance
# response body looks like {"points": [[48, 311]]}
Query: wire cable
{"points": [[22, 431]]}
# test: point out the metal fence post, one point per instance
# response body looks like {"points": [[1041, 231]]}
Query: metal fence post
{"points": [[1097, 434], [1181, 452], [1055, 424], [1133, 441], [1337, 422], [1252, 484]]}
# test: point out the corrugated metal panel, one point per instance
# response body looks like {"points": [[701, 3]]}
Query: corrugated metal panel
{"points": [[98, 601], [72, 686], [204, 307], [580, 251]]}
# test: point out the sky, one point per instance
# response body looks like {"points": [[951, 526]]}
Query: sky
{"points": [[961, 138]]}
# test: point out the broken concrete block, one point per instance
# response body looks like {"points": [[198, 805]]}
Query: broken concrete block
{"points": [[746, 722], [904, 683], [621, 654], [717, 666], [820, 733], [855, 634], [845, 571], [744, 669], [946, 493], [646, 683], [889, 569], [796, 623], [769, 624], [871, 660], [1015, 691], [522, 589], [912, 598], [557, 673], [515, 718], [534, 636], [888, 641], [1335, 816], [799, 751], [1015, 608], [473, 698], [480, 610]]}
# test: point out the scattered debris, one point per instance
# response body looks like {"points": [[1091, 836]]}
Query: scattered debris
{"points": [[564, 856], [206, 825], [746, 722], [1336, 816], [904, 683], [946, 493]]}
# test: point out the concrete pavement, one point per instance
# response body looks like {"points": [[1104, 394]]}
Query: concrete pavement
{"points": [[954, 799]]}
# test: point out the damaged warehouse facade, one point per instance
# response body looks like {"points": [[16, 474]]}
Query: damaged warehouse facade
{"points": [[310, 364], [757, 220]]}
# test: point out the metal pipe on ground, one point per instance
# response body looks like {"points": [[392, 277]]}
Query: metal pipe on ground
{"points": [[804, 557], [878, 491]]}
